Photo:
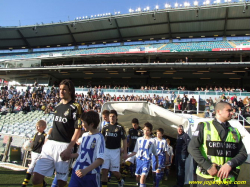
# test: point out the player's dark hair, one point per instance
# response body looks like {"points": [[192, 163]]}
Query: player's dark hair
{"points": [[105, 112], [161, 130], [91, 117], [71, 87], [149, 125], [135, 120], [113, 112]]}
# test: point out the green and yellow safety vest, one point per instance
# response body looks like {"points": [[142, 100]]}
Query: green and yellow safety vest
{"points": [[218, 151]]}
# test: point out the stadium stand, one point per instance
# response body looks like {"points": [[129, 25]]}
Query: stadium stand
{"points": [[102, 49]]}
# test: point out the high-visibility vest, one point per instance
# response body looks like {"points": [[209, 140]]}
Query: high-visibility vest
{"points": [[218, 151]]}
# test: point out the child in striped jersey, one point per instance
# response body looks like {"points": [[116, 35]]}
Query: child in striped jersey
{"points": [[90, 156], [161, 149], [144, 148]]}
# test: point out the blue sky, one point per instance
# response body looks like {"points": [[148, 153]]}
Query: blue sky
{"points": [[30, 12]]}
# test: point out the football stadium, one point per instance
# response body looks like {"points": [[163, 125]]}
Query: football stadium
{"points": [[169, 67]]}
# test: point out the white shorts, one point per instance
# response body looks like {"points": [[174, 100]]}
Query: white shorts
{"points": [[111, 159], [34, 157], [50, 159], [131, 159]]}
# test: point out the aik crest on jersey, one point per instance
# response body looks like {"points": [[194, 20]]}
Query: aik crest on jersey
{"points": [[66, 120]]}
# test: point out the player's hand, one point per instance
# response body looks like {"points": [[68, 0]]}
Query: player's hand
{"points": [[81, 173], [65, 155], [224, 171], [158, 171], [213, 171]]}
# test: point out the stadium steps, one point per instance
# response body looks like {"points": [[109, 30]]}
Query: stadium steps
{"points": [[232, 44], [162, 46]]}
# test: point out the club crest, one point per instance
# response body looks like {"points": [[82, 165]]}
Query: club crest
{"points": [[66, 113], [93, 144]]}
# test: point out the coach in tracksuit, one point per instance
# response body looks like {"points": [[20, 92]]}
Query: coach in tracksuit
{"points": [[181, 154]]}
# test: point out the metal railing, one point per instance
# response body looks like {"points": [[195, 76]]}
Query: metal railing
{"points": [[243, 120]]}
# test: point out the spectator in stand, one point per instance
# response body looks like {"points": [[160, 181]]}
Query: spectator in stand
{"points": [[5, 108], [210, 100], [246, 112], [172, 97], [235, 114], [180, 106], [234, 100], [207, 114], [26, 108], [184, 102], [240, 103], [17, 108], [246, 101], [223, 97], [193, 103]]}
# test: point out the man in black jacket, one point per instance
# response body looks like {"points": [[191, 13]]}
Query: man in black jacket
{"points": [[181, 154]]}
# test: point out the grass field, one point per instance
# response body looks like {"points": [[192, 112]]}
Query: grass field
{"points": [[10, 178]]}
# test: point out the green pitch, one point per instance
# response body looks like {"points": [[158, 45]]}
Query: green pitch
{"points": [[10, 178]]}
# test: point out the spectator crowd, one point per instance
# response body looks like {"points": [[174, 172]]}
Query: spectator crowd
{"points": [[37, 98]]}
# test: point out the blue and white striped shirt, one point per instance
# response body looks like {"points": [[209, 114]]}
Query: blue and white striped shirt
{"points": [[161, 147], [145, 148], [91, 148]]}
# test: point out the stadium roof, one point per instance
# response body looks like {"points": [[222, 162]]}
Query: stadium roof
{"points": [[210, 21]]}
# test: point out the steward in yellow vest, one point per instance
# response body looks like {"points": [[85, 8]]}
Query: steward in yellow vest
{"points": [[218, 149]]}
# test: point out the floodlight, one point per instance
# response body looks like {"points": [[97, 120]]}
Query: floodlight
{"points": [[119, 12], [207, 2], [98, 15], [130, 10], [196, 3], [147, 8], [225, 1], [139, 9], [156, 7], [176, 4], [167, 5], [91, 16], [77, 18]]}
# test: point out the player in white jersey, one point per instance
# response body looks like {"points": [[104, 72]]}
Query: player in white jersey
{"points": [[144, 148], [90, 156], [161, 149], [170, 159], [105, 119]]}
